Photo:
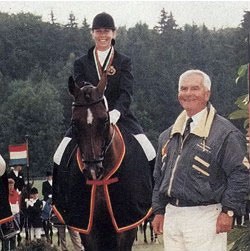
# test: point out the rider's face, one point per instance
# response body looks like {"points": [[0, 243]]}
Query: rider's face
{"points": [[102, 38]]}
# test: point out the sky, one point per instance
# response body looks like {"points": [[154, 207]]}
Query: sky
{"points": [[214, 14]]}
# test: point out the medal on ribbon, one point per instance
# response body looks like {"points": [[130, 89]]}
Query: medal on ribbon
{"points": [[111, 70]]}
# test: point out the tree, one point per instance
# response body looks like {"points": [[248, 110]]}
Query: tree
{"points": [[166, 23], [32, 109], [245, 23], [242, 101], [72, 21], [36, 54], [52, 17]]}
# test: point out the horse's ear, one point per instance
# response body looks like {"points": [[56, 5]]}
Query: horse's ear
{"points": [[102, 83], [72, 86]]}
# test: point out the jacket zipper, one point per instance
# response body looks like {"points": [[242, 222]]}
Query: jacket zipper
{"points": [[172, 176], [175, 167]]}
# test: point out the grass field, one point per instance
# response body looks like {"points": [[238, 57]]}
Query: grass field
{"points": [[139, 245]]}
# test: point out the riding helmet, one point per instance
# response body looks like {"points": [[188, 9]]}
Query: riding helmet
{"points": [[103, 20]]}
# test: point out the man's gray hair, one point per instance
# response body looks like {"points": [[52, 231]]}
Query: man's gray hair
{"points": [[206, 79]]}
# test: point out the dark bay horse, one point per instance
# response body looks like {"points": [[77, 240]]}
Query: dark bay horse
{"points": [[103, 188]]}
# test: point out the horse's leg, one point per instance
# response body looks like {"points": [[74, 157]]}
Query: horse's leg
{"points": [[58, 238], [51, 232], [89, 243], [156, 239], [27, 230], [151, 231], [97, 242], [102, 240], [141, 228], [126, 240], [145, 230], [46, 230], [136, 236], [19, 239]]}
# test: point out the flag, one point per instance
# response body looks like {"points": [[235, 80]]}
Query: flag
{"points": [[18, 154]]}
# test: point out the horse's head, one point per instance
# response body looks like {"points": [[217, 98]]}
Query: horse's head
{"points": [[90, 125]]}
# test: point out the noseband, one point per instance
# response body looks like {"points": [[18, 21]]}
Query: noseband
{"points": [[87, 104], [106, 145]]}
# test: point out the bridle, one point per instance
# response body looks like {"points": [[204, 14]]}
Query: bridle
{"points": [[87, 104], [106, 144]]}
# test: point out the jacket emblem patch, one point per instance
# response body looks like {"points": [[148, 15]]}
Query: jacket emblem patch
{"points": [[246, 163], [164, 151], [201, 161]]}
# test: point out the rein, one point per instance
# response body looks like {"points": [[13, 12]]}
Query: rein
{"points": [[118, 161], [106, 145]]}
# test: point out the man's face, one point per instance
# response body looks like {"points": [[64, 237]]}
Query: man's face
{"points": [[193, 96], [18, 168], [102, 38], [11, 186], [34, 196]]}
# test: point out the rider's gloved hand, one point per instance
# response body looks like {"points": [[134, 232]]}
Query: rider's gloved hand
{"points": [[2, 166], [114, 116], [29, 203]]}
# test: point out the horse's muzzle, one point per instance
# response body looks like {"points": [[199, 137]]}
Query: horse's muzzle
{"points": [[94, 169]]}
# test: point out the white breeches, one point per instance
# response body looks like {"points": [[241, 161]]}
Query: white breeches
{"points": [[146, 146], [193, 229], [2, 166]]}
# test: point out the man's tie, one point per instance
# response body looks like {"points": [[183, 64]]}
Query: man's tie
{"points": [[187, 128]]}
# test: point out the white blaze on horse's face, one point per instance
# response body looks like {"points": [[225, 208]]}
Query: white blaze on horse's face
{"points": [[90, 117]]}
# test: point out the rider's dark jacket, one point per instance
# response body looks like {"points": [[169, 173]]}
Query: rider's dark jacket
{"points": [[210, 166], [119, 89]]}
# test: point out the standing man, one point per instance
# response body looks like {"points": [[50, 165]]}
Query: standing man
{"points": [[201, 173], [47, 186], [34, 211], [17, 175], [14, 199], [74, 236], [47, 197]]}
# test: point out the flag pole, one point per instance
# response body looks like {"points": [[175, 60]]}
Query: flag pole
{"points": [[28, 165]]}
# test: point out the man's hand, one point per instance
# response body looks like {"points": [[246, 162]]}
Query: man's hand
{"points": [[157, 223], [224, 223], [29, 203]]}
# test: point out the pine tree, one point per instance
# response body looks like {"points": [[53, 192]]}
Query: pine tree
{"points": [[72, 21], [52, 17], [166, 23]]}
